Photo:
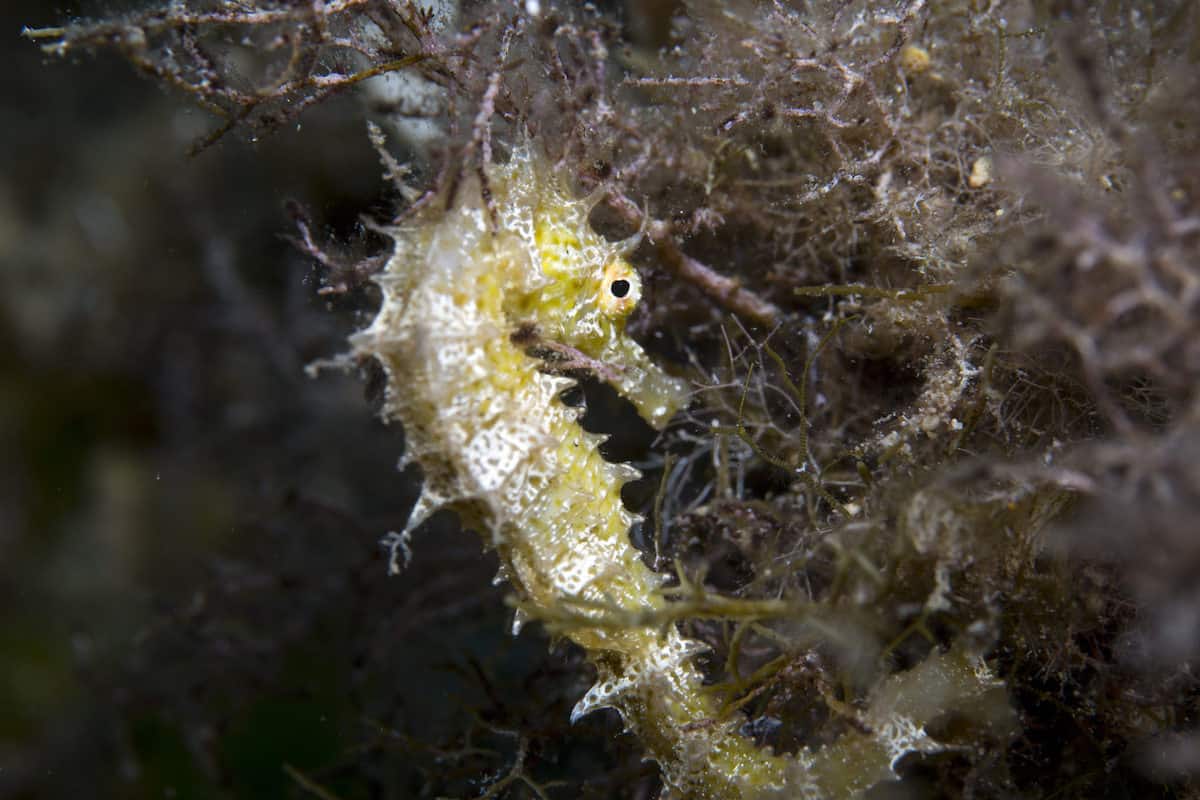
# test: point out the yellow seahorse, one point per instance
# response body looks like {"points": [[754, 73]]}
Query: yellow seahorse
{"points": [[465, 292]]}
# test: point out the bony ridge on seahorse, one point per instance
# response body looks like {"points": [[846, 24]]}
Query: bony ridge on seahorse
{"points": [[464, 292]]}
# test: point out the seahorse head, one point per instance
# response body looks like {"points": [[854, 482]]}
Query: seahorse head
{"points": [[570, 285], [513, 259]]}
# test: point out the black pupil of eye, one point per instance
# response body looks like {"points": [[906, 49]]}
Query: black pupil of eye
{"points": [[620, 288]]}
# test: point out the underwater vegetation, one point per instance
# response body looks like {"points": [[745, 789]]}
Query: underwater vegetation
{"points": [[892, 313]]}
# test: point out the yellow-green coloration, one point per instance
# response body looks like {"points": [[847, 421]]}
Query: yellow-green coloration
{"points": [[462, 297]]}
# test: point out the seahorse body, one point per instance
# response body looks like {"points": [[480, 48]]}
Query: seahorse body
{"points": [[498, 446]]}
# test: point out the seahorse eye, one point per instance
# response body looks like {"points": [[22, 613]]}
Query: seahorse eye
{"points": [[617, 289]]}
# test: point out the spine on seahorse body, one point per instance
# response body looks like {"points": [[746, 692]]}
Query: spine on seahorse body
{"points": [[464, 290]]}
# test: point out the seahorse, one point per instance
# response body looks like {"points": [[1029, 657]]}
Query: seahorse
{"points": [[466, 290]]}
